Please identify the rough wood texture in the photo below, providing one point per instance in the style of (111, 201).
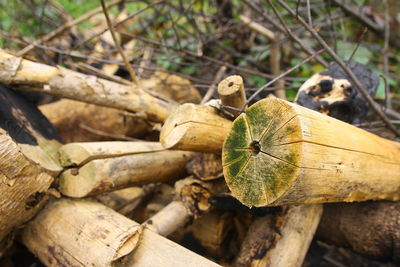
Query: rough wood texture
(196, 128)
(280, 239)
(280, 153)
(28, 144)
(232, 94)
(82, 122)
(102, 175)
(78, 154)
(371, 229)
(86, 233)
(27, 75)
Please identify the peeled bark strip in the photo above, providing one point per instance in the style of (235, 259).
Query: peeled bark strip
(27, 75)
(371, 229)
(78, 154)
(82, 122)
(196, 128)
(232, 94)
(28, 146)
(87, 233)
(280, 153)
(102, 175)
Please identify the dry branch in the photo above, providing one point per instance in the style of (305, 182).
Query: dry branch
(232, 94)
(87, 233)
(27, 75)
(196, 128)
(142, 164)
(279, 153)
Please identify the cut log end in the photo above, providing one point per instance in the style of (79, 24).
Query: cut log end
(257, 147)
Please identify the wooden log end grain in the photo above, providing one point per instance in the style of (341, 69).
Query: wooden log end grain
(231, 91)
(279, 153)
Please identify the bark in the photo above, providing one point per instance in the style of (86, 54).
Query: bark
(28, 163)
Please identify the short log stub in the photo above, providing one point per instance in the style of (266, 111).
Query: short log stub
(279, 153)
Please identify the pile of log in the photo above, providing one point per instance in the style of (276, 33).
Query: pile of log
(112, 192)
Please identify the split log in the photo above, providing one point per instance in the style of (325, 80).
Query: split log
(196, 128)
(232, 94)
(279, 153)
(82, 122)
(28, 164)
(371, 229)
(143, 164)
(27, 75)
(87, 233)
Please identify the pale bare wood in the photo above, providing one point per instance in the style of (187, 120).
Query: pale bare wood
(232, 94)
(280, 239)
(23, 74)
(102, 175)
(28, 164)
(172, 86)
(87, 233)
(302, 156)
(73, 119)
(258, 28)
(190, 201)
(196, 128)
(172, 217)
(78, 154)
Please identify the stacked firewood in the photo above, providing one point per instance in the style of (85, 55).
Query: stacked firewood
(115, 190)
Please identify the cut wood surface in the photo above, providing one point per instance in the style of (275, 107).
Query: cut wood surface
(102, 175)
(78, 154)
(232, 94)
(27, 75)
(196, 128)
(87, 233)
(280, 153)
(77, 121)
(28, 164)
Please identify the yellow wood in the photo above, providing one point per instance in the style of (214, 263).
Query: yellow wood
(279, 153)
(196, 128)
(232, 94)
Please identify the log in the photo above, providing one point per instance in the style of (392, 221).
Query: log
(196, 128)
(103, 175)
(282, 239)
(232, 94)
(371, 229)
(82, 122)
(27, 75)
(279, 153)
(78, 154)
(87, 233)
(28, 164)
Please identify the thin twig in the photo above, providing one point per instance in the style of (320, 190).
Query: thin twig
(281, 76)
(211, 89)
(65, 27)
(388, 99)
(117, 45)
(358, 44)
(348, 71)
(308, 50)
